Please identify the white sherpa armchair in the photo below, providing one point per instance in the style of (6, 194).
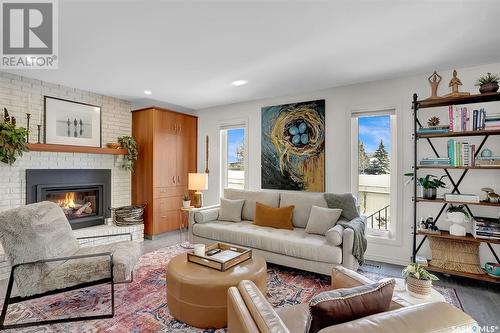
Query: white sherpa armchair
(46, 258)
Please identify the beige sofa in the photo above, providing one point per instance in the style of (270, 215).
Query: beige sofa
(248, 311)
(292, 248)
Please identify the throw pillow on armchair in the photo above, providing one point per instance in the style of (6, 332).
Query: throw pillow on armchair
(342, 305)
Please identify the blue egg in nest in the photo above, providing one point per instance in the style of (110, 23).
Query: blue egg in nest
(302, 127)
(293, 130)
(296, 139)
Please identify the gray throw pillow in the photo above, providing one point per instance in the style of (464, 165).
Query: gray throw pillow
(322, 219)
(230, 210)
(346, 202)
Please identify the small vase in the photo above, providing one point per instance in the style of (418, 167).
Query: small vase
(186, 203)
(429, 193)
(418, 288)
(490, 87)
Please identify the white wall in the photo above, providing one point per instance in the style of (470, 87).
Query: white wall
(340, 101)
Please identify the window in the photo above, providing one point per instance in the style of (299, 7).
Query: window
(233, 157)
(375, 169)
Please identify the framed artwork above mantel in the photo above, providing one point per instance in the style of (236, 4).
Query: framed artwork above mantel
(72, 123)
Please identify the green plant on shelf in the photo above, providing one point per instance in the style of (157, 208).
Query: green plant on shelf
(129, 143)
(429, 181)
(12, 142)
(488, 78)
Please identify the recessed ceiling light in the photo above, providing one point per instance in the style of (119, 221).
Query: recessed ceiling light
(238, 83)
(148, 92)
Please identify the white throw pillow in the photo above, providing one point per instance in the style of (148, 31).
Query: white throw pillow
(230, 210)
(322, 219)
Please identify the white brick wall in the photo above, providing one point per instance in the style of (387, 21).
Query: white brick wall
(20, 94)
(15, 93)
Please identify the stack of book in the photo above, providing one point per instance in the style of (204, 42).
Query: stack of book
(492, 122)
(490, 161)
(478, 119)
(462, 120)
(465, 198)
(461, 153)
(434, 129)
(486, 228)
(438, 161)
(459, 119)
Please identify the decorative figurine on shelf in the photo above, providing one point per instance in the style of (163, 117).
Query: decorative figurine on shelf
(6, 117)
(491, 196)
(429, 225)
(434, 81)
(433, 121)
(458, 217)
(454, 83)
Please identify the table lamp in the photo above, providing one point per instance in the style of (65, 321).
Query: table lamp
(198, 182)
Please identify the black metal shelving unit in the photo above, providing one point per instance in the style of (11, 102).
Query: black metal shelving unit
(419, 241)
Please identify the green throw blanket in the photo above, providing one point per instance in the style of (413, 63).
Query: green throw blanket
(360, 243)
(351, 220)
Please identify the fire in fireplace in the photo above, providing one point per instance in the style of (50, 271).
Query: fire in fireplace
(83, 195)
(76, 204)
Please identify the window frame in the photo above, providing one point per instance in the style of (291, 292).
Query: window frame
(392, 233)
(223, 128)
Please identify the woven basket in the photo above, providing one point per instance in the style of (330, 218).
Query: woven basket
(418, 288)
(128, 215)
(456, 255)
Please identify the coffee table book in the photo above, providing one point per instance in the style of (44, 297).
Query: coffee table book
(237, 255)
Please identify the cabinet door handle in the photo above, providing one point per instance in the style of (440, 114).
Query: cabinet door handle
(178, 179)
(173, 179)
(164, 217)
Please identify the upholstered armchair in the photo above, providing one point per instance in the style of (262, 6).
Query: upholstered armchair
(46, 259)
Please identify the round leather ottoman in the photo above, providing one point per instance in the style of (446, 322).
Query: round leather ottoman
(197, 295)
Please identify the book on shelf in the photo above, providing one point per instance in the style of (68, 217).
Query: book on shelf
(461, 153)
(468, 198)
(486, 228)
(487, 162)
(444, 161)
(461, 119)
(427, 130)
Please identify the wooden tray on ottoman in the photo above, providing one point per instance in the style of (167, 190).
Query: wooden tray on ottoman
(221, 264)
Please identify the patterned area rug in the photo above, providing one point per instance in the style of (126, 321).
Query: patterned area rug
(141, 305)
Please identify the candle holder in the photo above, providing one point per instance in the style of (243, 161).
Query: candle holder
(39, 133)
(28, 116)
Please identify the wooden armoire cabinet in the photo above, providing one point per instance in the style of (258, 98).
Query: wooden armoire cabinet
(166, 141)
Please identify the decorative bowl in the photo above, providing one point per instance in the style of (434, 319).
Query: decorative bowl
(493, 269)
(113, 145)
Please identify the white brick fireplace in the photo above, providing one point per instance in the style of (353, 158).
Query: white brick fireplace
(21, 95)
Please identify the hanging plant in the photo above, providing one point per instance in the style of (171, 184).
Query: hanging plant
(129, 143)
(12, 142)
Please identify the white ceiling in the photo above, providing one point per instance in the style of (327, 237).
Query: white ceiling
(189, 52)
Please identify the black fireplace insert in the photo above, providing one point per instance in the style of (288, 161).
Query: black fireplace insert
(83, 194)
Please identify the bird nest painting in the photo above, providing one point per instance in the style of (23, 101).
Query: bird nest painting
(293, 146)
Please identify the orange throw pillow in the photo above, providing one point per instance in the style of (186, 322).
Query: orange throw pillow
(279, 218)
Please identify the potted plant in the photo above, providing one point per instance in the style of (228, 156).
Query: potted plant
(129, 143)
(430, 184)
(488, 83)
(186, 203)
(418, 280)
(12, 142)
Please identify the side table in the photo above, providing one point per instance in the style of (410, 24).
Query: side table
(401, 292)
(185, 242)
